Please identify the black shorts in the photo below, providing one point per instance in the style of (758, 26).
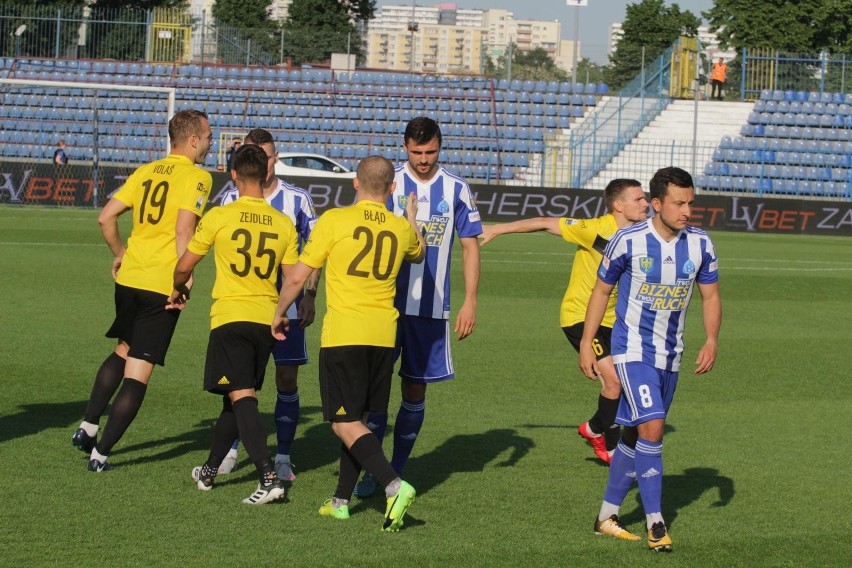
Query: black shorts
(144, 323)
(600, 344)
(237, 354)
(354, 380)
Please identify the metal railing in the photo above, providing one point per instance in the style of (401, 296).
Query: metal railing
(614, 123)
(769, 69)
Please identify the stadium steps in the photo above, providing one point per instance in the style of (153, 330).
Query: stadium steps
(667, 140)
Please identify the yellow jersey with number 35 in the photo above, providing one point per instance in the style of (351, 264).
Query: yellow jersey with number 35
(156, 192)
(250, 239)
(362, 247)
(591, 237)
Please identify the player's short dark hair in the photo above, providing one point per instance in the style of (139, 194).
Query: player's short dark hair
(185, 123)
(615, 188)
(659, 185)
(259, 136)
(375, 174)
(250, 162)
(422, 130)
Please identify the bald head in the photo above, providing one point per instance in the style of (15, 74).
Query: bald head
(374, 176)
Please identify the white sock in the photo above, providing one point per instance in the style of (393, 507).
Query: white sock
(654, 518)
(96, 455)
(232, 453)
(89, 428)
(282, 458)
(392, 488)
(607, 510)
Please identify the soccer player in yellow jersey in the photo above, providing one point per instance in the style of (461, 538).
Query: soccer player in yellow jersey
(363, 247)
(626, 204)
(166, 197)
(251, 239)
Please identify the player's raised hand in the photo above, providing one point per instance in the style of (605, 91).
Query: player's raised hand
(411, 207)
(706, 358)
(280, 325)
(588, 362)
(488, 233)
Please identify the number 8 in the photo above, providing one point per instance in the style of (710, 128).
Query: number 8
(645, 396)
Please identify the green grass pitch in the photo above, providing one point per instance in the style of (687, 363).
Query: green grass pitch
(757, 453)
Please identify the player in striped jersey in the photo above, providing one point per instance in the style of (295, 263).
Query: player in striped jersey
(626, 204)
(446, 209)
(289, 354)
(655, 264)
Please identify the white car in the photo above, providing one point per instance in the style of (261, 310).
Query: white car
(309, 165)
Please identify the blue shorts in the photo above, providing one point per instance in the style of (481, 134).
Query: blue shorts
(294, 349)
(424, 344)
(646, 393)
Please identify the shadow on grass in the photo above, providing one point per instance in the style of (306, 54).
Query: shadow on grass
(33, 418)
(468, 453)
(680, 491)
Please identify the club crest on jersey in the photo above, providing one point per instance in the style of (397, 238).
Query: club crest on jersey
(443, 206)
(688, 267)
(401, 201)
(646, 264)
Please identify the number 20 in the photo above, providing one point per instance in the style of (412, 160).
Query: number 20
(384, 238)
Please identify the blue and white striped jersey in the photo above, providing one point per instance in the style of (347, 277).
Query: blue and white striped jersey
(294, 202)
(655, 282)
(446, 207)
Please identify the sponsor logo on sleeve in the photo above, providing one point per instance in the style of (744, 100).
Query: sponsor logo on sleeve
(473, 216)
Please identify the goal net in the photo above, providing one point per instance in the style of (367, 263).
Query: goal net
(105, 131)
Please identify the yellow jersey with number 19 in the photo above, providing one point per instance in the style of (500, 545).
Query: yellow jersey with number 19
(363, 247)
(250, 240)
(591, 237)
(156, 192)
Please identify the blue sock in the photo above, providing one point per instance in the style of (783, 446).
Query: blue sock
(378, 424)
(405, 431)
(649, 474)
(286, 419)
(622, 474)
(236, 444)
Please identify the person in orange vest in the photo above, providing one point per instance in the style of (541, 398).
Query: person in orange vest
(717, 79)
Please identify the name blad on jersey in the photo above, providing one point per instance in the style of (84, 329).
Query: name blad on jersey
(664, 297)
(433, 230)
(246, 217)
(374, 216)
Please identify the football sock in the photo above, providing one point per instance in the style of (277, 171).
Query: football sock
(250, 427)
(611, 436)
(649, 474)
(653, 518)
(89, 428)
(622, 474)
(392, 488)
(286, 419)
(96, 455)
(235, 445)
(378, 423)
(107, 381)
(348, 474)
(208, 471)
(124, 409)
(265, 472)
(405, 431)
(337, 502)
(608, 510)
(224, 430)
(368, 452)
(605, 415)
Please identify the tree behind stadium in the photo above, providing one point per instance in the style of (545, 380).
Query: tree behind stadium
(652, 25)
(315, 29)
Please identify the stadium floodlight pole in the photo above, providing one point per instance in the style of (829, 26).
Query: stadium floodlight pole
(576, 4)
(170, 92)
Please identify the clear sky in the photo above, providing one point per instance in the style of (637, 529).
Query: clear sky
(594, 18)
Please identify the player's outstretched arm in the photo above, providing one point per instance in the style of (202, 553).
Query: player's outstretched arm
(108, 220)
(712, 314)
(594, 315)
(307, 310)
(549, 224)
(182, 276)
(294, 281)
(466, 318)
